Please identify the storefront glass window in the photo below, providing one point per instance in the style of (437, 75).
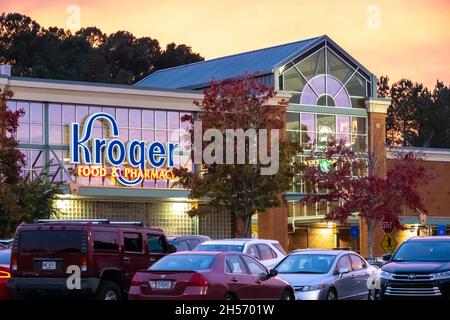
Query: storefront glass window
(122, 117)
(31, 123)
(292, 121)
(325, 78)
(313, 65)
(337, 67)
(296, 209)
(82, 112)
(308, 140)
(308, 122)
(318, 130)
(34, 164)
(135, 118)
(311, 209)
(293, 81)
(160, 119)
(358, 125)
(173, 120)
(148, 120)
(137, 124)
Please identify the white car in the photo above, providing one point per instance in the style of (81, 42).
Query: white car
(268, 252)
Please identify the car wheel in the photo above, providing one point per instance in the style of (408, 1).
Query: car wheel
(287, 295)
(332, 294)
(375, 294)
(108, 290)
(229, 296)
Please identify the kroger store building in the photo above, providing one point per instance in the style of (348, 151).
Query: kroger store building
(66, 124)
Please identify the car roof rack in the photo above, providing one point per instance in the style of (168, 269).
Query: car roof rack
(128, 223)
(72, 221)
(93, 221)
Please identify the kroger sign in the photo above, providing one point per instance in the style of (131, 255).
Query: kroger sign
(84, 149)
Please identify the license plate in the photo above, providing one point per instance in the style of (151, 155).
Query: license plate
(163, 284)
(48, 265)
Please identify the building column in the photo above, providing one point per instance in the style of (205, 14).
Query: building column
(273, 224)
(377, 110)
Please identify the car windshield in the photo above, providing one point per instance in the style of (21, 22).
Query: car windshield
(5, 256)
(428, 250)
(306, 263)
(219, 247)
(184, 262)
(50, 241)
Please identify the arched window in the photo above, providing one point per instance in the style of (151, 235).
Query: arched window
(323, 78)
(325, 90)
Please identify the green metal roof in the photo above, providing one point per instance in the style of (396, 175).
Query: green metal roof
(262, 62)
(199, 74)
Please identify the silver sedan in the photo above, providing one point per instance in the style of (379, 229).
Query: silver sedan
(319, 274)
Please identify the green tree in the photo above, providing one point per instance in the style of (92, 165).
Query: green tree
(176, 55)
(404, 112)
(20, 201)
(417, 116)
(383, 88)
(434, 125)
(86, 55)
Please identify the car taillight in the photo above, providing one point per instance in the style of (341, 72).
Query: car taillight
(84, 263)
(135, 281)
(14, 262)
(5, 275)
(198, 280)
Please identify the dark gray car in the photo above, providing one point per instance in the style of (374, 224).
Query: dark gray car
(318, 274)
(6, 243)
(187, 243)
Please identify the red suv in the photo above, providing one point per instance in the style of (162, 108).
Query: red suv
(97, 258)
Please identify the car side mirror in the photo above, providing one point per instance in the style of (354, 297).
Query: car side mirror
(387, 256)
(343, 270)
(273, 273)
(171, 249)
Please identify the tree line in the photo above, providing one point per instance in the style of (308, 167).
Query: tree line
(418, 116)
(86, 55)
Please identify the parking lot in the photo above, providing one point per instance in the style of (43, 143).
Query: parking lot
(103, 260)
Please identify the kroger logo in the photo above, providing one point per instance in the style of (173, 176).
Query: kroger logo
(84, 149)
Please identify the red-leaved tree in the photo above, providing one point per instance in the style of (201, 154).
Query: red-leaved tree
(241, 103)
(352, 185)
(20, 200)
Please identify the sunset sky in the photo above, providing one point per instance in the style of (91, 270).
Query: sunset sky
(403, 38)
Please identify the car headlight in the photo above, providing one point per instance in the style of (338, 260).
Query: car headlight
(442, 275)
(313, 287)
(385, 275)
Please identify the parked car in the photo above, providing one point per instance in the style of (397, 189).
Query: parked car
(5, 274)
(420, 268)
(108, 255)
(208, 275)
(319, 274)
(268, 252)
(6, 243)
(186, 243)
(376, 262)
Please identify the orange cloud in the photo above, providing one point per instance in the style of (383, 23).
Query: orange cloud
(412, 41)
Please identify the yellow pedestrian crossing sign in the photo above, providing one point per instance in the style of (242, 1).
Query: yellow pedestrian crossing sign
(388, 243)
